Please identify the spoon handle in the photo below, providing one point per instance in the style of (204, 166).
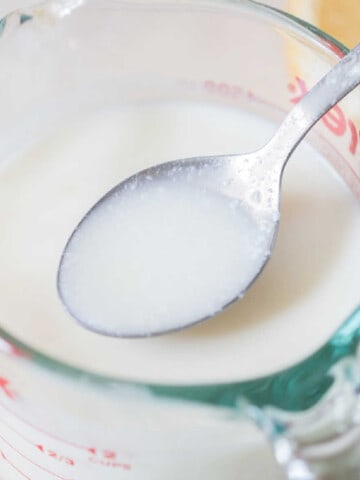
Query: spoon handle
(330, 89)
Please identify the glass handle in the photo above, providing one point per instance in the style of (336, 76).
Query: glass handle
(311, 412)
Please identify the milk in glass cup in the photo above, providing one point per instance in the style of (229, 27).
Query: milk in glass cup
(93, 91)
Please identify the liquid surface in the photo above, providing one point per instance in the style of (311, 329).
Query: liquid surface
(307, 290)
(158, 256)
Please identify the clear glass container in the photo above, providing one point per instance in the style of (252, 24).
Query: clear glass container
(75, 422)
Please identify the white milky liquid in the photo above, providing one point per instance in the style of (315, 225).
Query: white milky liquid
(159, 256)
(307, 290)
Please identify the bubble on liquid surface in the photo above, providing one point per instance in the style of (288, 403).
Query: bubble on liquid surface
(256, 197)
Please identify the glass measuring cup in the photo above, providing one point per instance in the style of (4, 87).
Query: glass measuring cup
(62, 421)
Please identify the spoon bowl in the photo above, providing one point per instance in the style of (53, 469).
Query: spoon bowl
(236, 179)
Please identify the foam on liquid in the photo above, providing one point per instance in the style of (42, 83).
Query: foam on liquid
(307, 290)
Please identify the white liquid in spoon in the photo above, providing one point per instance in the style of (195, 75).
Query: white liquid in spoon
(160, 256)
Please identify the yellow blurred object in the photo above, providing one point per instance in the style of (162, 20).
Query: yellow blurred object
(341, 20)
(338, 18)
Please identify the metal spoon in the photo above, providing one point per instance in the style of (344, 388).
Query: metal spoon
(252, 179)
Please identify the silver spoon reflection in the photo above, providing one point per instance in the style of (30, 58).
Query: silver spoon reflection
(177, 243)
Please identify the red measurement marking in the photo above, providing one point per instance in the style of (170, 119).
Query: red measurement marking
(10, 427)
(31, 461)
(55, 455)
(3, 456)
(110, 454)
(251, 95)
(5, 388)
(354, 137)
(107, 454)
(227, 90)
(218, 88)
(334, 120)
(10, 349)
(298, 87)
(223, 88)
(107, 458)
(108, 463)
(43, 432)
(335, 49)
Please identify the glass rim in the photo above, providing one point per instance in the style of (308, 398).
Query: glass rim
(213, 393)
